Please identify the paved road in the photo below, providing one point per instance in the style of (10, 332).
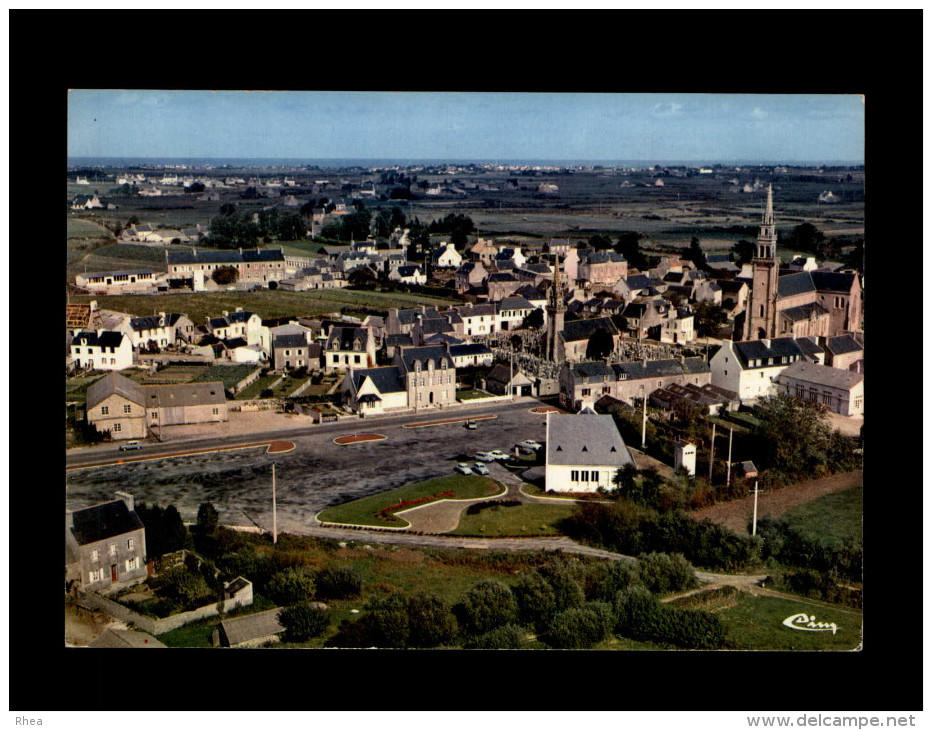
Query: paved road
(317, 473)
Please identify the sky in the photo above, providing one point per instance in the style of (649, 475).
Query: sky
(702, 128)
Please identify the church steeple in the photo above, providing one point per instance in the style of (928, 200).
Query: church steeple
(767, 239)
(555, 315)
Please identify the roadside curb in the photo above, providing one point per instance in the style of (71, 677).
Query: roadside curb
(272, 447)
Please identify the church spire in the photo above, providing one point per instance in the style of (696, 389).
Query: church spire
(767, 239)
(768, 210)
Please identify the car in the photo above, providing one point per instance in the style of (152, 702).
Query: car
(499, 455)
(472, 425)
(480, 468)
(531, 445)
(130, 446)
(485, 456)
(463, 468)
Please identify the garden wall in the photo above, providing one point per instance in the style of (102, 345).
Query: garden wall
(156, 626)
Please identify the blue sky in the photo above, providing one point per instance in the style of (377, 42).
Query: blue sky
(476, 125)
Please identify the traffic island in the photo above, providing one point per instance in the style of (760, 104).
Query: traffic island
(448, 421)
(358, 438)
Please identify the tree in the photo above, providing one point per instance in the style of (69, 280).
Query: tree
(534, 320)
(600, 242)
(694, 253)
(535, 600)
(184, 586)
(195, 187)
(207, 519)
(582, 627)
(303, 622)
(489, 604)
(804, 237)
(743, 252)
(567, 591)
(509, 636)
(601, 344)
(792, 436)
(430, 621)
(225, 275)
(708, 317)
(340, 582)
(290, 586)
(629, 246)
(662, 573)
(362, 277)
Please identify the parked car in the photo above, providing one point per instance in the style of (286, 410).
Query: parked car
(531, 445)
(472, 425)
(498, 455)
(130, 446)
(480, 468)
(463, 468)
(485, 456)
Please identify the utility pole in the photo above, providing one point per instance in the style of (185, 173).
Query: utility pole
(644, 424)
(712, 453)
(754, 522)
(728, 477)
(274, 510)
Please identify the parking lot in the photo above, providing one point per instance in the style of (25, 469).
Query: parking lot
(317, 473)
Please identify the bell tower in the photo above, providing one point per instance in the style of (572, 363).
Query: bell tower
(760, 319)
(555, 315)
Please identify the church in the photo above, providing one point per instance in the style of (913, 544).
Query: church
(799, 304)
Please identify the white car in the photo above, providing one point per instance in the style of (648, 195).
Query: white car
(463, 468)
(531, 445)
(485, 456)
(480, 468)
(499, 455)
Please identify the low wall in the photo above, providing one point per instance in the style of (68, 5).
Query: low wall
(156, 626)
(262, 404)
(479, 402)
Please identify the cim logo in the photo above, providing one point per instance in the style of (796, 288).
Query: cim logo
(805, 622)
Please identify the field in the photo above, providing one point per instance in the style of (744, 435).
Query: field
(267, 304)
(365, 511)
(832, 519)
(521, 520)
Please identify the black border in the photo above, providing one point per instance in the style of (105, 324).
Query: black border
(675, 51)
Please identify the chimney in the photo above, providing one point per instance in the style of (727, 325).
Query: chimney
(161, 319)
(93, 305)
(69, 519)
(194, 251)
(128, 499)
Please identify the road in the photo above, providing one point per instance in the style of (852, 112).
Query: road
(317, 473)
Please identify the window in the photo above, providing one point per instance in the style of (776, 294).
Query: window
(127, 408)
(131, 543)
(586, 391)
(95, 556)
(117, 427)
(216, 411)
(104, 410)
(574, 476)
(154, 415)
(95, 575)
(858, 401)
(585, 476)
(356, 359)
(111, 549)
(132, 564)
(594, 477)
(287, 352)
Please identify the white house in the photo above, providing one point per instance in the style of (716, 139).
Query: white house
(375, 390)
(163, 329)
(840, 391)
(473, 354)
(408, 275)
(478, 319)
(584, 452)
(512, 311)
(447, 257)
(102, 350)
(749, 368)
(240, 324)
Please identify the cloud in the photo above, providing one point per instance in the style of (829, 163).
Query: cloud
(758, 113)
(668, 109)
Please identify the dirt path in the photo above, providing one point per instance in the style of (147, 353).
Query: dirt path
(737, 515)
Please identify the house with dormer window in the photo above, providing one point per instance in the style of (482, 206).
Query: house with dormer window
(429, 375)
(349, 347)
(102, 350)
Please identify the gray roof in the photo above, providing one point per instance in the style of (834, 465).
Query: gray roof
(410, 355)
(843, 344)
(638, 281)
(822, 375)
(239, 256)
(347, 337)
(782, 350)
(150, 323)
(514, 303)
(583, 329)
(659, 368)
(124, 639)
(604, 257)
(185, 394)
(809, 346)
(832, 281)
(251, 627)
(289, 341)
(103, 521)
(472, 348)
(803, 312)
(502, 276)
(398, 340)
(409, 270)
(114, 383)
(585, 440)
(387, 380)
(104, 339)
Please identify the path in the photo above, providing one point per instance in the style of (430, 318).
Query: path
(737, 515)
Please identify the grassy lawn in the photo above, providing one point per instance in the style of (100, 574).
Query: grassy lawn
(198, 634)
(76, 388)
(78, 228)
(255, 389)
(831, 519)
(520, 520)
(756, 622)
(229, 375)
(265, 303)
(364, 511)
(472, 394)
(288, 386)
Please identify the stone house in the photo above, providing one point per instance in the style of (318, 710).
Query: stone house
(349, 347)
(105, 545)
(573, 341)
(602, 268)
(503, 284)
(446, 257)
(252, 265)
(429, 375)
(162, 329)
(845, 352)
(246, 325)
(470, 274)
(840, 391)
(134, 281)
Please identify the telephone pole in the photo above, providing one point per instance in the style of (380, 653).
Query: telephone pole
(274, 510)
(712, 453)
(644, 424)
(754, 522)
(728, 476)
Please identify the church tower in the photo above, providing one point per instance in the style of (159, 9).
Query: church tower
(760, 318)
(555, 313)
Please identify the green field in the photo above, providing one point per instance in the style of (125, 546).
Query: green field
(254, 390)
(265, 303)
(364, 511)
(78, 228)
(832, 519)
(756, 622)
(521, 520)
(229, 375)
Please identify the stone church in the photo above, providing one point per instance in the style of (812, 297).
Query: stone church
(799, 304)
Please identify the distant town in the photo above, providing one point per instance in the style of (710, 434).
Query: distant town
(471, 405)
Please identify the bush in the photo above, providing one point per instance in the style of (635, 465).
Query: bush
(509, 636)
(640, 616)
(303, 622)
(488, 605)
(604, 580)
(430, 621)
(184, 586)
(535, 600)
(567, 591)
(581, 628)
(291, 586)
(662, 573)
(341, 582)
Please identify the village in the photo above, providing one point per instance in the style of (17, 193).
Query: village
(457, 368)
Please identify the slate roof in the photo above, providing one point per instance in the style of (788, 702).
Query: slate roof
(832, 281)
(235, 631)
(530, 292)
(509, 303)
(764, 355)
(822, 375)
(477, 310)
(583, 329)
(124, 639)
(386, 380)
(114, 383)
(803, 312)
(150, 323)
(604, 257)
(638, 281)
(843, 344)
(585, 440)
(286, 340)
(185, 394)
(502, 276)
(249, 255)
(537, 268)
(408, 270)
(104, 339)
(398, 340)
(659, 368)
(435, 326)
(410, 355)
(472, 348)
(793, 284)
(103, 521)
(809, 346)
(347, 337)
